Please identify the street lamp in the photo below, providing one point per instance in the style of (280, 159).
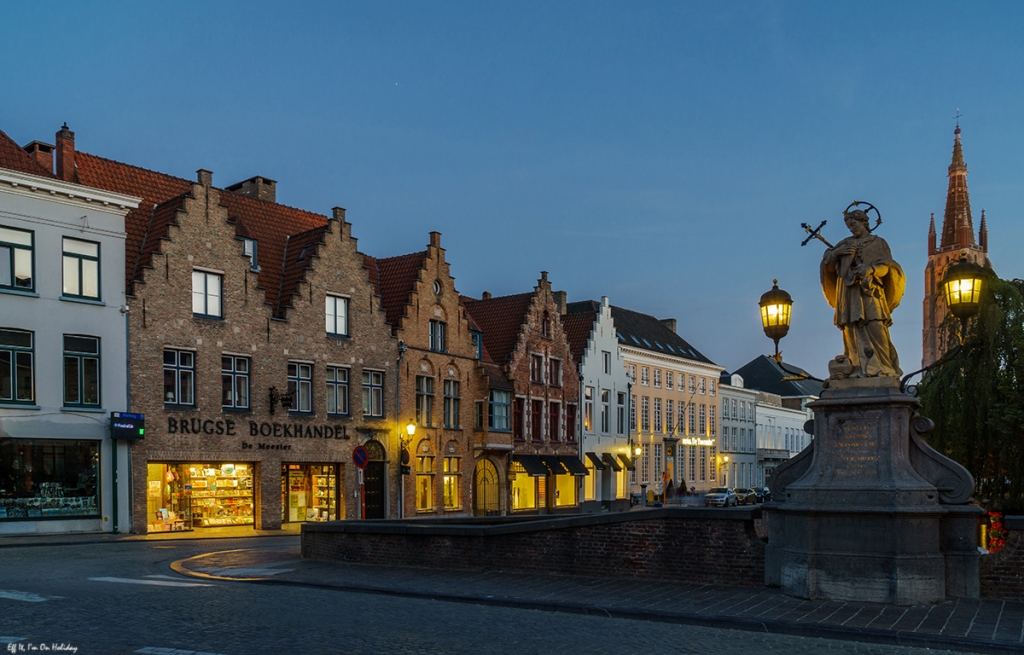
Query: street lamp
(776, 306)
(961, 287)
(410, 429)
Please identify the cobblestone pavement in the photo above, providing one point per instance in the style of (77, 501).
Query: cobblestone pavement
(122, 597)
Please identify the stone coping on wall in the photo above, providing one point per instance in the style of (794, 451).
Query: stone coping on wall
(1013, 522)
(504, 525)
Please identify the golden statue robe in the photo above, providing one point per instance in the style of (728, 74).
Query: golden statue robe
(864, 288)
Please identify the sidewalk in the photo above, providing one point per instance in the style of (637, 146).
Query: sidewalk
(235, 532)
(985, 626)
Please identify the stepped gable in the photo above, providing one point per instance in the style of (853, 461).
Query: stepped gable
(765, 374)
(500, 319)
(647, 332)
(140, 224)
(283, 235)
(577, 327)
(394, 279)
(13, 157)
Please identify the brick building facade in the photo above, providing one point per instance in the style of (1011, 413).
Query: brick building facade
(238, 306)
(442, 388)
(523, 335)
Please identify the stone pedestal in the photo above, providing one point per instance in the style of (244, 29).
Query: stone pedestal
(870, 512)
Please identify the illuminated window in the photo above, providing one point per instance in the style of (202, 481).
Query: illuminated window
(523, 488)
(452, 483)
(424, 484)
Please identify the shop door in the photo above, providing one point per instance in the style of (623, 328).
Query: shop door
(374, 479)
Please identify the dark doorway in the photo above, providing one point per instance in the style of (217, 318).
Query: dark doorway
(374, 479)
(485, 489)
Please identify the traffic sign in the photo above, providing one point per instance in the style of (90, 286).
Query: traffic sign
(360, 456)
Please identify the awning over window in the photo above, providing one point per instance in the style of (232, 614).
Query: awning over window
(596, 461)
(553, 464)
(573, 464)
(532, 464)
(610, 460)
(627, 462)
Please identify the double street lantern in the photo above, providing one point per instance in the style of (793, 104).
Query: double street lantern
(961, 287)
(776, 305)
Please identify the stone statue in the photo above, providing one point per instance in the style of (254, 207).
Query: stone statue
(864, 285)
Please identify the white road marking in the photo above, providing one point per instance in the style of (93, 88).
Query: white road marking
(154, 650)
(24, 596)
(159, 583)
(244, 572)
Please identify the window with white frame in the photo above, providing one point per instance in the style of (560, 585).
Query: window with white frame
(179, 377)
(692, 416)
(632, 414)
(712, 387)
(206, 294)
(693, 384)
(632, 373)
(645, 413)
(337, 315)
(81, 268)
(249, 250)
(373, 393)
(668, 379)
(234, 379)
(300, 387)
(670, 423)
(712, 424)
(657, 415)
(645, 464)
(657, 378)
(645, 376)
(620, 413)
(703, 386)
(337, 390)
(657, 462)
(703, 420)
(606, 401)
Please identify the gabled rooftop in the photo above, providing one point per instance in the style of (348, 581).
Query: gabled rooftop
(394, 279)
(500, 320)
(649, 333)
(765, 374)
(14, 157)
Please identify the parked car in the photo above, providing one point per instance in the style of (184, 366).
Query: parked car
(746, 496)
(764, 494)
(720, 497)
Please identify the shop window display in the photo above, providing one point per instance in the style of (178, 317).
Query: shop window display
(48, 478)
(524, 488)
(187, 496)
(308, 493)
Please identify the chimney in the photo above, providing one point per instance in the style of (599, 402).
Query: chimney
(259, 187)
(435, 239)
(205, 177)
(559, 301)
(66, 154)
(486, 296)
(670, 323)
(42, 153)
(338, 214)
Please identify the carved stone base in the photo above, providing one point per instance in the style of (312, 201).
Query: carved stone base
(870, 512)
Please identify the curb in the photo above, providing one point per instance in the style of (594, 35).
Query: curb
(683, 618)
(136, 539)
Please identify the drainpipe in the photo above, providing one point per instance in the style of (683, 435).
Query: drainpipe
(398, 423)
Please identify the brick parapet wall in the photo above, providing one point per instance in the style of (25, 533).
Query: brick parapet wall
(1002, 573)
(690, 545)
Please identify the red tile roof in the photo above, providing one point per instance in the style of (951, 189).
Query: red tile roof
(14, 157)
(577, 329)
(394, 279)
(141, 224)
(272, 225)
(500, 319)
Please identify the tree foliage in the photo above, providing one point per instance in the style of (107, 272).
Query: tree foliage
(977, 398)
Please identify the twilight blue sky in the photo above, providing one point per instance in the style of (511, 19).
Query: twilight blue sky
(663, 154)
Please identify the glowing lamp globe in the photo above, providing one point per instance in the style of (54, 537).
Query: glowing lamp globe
(961, 287)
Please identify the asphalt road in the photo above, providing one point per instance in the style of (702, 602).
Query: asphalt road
(122, 597)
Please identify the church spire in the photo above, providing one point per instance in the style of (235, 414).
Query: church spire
(931, 234)
(957, 224)
(983, 233)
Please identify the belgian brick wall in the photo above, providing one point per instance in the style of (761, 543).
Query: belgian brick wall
(1002, 573)
(670, 544)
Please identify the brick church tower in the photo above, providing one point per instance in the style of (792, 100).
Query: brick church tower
(957, 237)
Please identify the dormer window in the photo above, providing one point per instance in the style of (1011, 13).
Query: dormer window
(249, 248)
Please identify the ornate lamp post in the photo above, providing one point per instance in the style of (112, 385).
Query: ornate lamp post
(776, 306)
